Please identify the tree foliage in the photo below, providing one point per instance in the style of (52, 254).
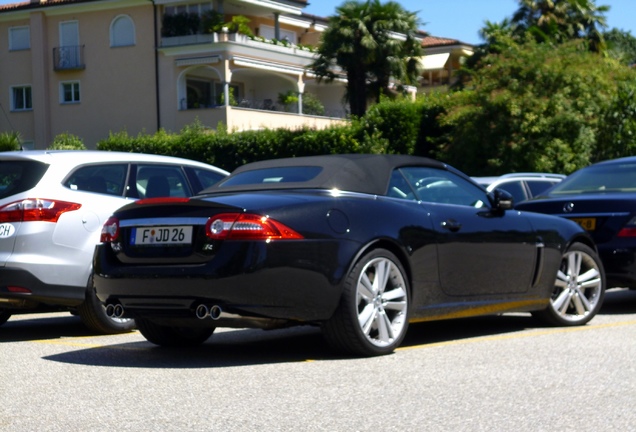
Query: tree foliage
(621, 45)
(536, 107)
(372, 43)
(561, 21)
(617, 131)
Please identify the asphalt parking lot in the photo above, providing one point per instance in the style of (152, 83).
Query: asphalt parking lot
(481, 374)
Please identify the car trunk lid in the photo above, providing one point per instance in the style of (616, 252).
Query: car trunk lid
(166, 230)
(603, 215)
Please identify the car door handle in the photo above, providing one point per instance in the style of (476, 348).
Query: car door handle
(452, 225)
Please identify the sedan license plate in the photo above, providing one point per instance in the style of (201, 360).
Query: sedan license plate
(589, 224)
(161, 235)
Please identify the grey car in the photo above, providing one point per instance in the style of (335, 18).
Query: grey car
(522, 186)
(52, 207)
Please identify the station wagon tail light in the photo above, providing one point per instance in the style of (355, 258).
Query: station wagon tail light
(36, 210)
(629, 230)
(110, 230)
(243, 226)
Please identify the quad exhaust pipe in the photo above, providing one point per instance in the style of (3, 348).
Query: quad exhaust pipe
(203, 311)
(215, 312)
(114, 310)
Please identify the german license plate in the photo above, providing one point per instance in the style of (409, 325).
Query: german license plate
(589, 224)
(161, 235)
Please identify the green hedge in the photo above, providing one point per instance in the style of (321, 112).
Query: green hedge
(400, 126)
(10, 141)
(230, 150)
(67, 141)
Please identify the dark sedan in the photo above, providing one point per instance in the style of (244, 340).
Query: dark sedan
(602, 198)
(358, 244)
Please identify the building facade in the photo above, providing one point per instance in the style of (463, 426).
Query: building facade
(95, 67)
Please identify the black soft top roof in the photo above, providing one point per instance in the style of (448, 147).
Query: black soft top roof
(366, 173)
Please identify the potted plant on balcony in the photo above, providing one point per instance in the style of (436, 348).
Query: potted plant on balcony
(214, 22)
(288, 99)
(312, 105)
(239, 24)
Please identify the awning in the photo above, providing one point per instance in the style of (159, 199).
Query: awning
(274, 67)
(434, 61)
(294, 22)
(197, 60)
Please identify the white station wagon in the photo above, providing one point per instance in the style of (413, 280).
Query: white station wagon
(52, 208)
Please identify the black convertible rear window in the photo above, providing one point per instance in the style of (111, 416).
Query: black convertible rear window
(293, 174)
(18, 176)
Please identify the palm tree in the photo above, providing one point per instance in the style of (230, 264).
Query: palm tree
(493, 31)
(562, 20)
(591, 21)
(373, 44)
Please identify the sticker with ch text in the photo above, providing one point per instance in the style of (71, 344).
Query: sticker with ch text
(6, 230)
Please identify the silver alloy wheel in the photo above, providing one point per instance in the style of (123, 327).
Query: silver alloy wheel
(578, 287)
(382, 302)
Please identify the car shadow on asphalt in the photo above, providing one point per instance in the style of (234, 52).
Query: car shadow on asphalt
(619, 301)
(246, 347)
(43, 327)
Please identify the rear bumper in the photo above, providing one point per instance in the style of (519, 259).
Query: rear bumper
(20, 289)
(262, 281)
(302, 297)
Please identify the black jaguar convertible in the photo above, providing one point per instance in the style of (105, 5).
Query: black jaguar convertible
(360, 245)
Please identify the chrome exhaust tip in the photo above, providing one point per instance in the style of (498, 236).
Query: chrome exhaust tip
(202, 311)
(215, 312)
(110, 310)
(118, 311)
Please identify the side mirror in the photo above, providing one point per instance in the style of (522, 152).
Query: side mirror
(501, 199)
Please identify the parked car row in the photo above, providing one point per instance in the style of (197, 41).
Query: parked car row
(360, 245)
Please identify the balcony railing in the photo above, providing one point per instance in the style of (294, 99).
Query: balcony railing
(269, 105)
(68, 58)
(259, 43)
(189, 40)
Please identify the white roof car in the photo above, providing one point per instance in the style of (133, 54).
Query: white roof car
(52, 208)
(522, 186)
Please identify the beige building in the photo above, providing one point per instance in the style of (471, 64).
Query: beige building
(443, 57)
(92, 67)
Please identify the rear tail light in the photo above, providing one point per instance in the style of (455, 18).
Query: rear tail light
(18, 289)
(241, 226)
(629, 230)
(36, 209)
(110, 230)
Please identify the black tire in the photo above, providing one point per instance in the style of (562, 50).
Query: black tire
(173, 336)
(579, 288)
(93, 314)
(376, 292)
(4, 316)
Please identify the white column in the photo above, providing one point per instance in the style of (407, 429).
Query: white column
(301, 90)
(227, 79)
